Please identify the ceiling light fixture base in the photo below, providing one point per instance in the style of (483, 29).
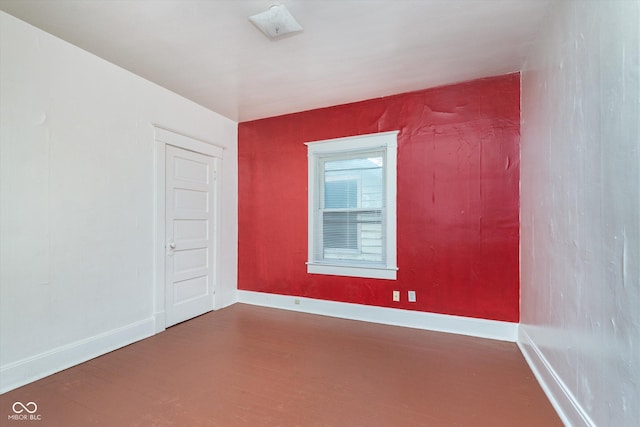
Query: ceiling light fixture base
(275, 22)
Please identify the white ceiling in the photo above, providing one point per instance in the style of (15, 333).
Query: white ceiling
(350, 50)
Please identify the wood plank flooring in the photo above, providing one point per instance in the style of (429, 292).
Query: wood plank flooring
(254, 366)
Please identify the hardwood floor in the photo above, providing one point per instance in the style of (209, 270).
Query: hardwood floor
(254, 366)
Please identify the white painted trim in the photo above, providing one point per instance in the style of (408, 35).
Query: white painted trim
(215, 225)
(177, 139)
(160, 321)
(159, 237)
(383, 140)
(351, 143)
(352, 271)
(492, 329)
(565, 404)
(162, 138)
(25, 371)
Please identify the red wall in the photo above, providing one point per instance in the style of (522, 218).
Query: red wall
(458, 199)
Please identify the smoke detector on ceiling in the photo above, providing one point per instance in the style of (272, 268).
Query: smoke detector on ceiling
(275, 22)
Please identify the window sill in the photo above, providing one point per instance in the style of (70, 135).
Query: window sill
(388, 273)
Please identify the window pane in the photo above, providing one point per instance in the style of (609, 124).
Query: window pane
(354, 183)
(341, 194)
(340, 230)
(353, 236)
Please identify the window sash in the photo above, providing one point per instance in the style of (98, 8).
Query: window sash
(365, 244)
(358, 246)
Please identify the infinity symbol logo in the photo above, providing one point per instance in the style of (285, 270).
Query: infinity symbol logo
(30, 407)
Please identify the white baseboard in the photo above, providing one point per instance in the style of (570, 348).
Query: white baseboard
(564, 402)
(493, 329)
(17, 374)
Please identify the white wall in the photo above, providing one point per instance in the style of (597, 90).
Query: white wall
(77, 201)
(580, 294)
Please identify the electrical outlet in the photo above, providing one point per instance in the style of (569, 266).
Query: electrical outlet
(396, 296)
(411, 296)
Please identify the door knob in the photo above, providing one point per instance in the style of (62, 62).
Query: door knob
(172, 245)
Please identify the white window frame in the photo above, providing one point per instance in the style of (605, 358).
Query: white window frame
(349, 146)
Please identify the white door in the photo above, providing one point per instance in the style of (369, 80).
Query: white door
(190, 184)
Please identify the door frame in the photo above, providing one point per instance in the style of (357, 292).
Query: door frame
(162, 138)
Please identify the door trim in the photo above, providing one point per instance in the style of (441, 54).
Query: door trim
(162, 138)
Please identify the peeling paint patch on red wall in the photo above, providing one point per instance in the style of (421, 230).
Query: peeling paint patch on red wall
(458, 199)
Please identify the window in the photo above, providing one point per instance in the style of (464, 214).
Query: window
(352, 206)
